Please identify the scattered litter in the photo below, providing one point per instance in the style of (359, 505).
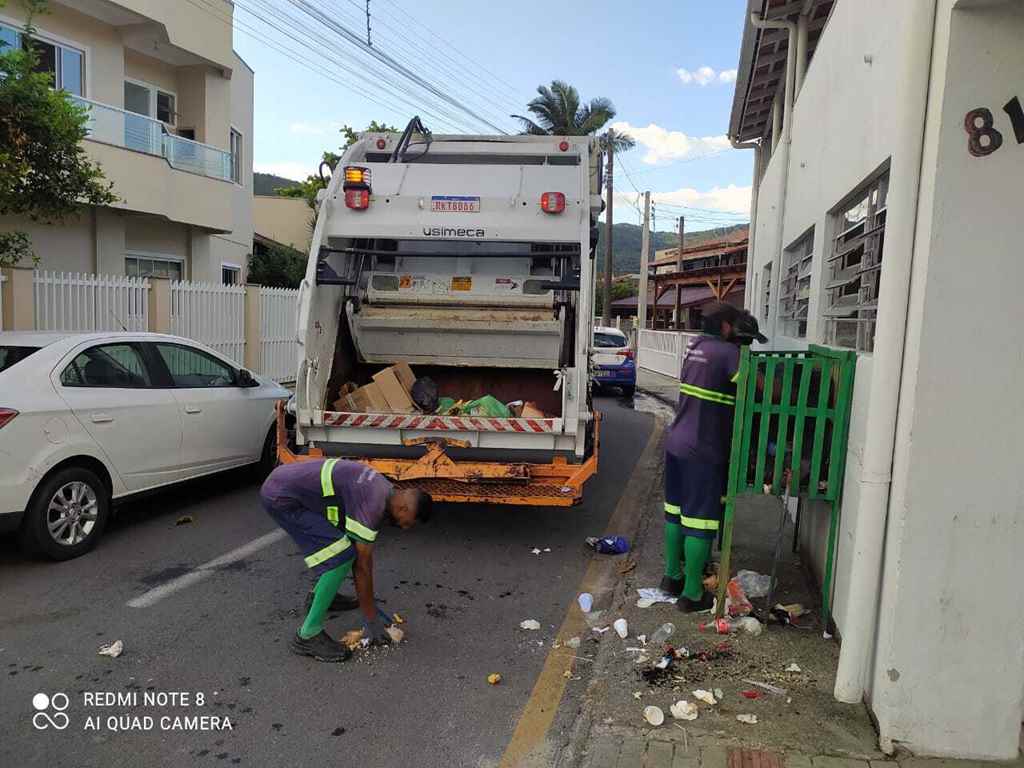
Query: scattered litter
(642, 659)
(722, 626)
(706, 696)
(748, 719)
(736, 602)
(754, 584)
(711, 582)
(547, 549)
(396, 634)
(113, 650)
(683, 653)
(494, 678)
(397, 619)
(654, 715)
(794, 667)
(572, 642)
(535, 551)
(353, 639)
(637, 695)
(665, 662)
(626, 566)
(767, 686)
(529, 624)
(621, 628)
(608, 545)
(600, 630)
(586, 601)
(663, 633)
(751, 626)
(654, 595)
(751, 694)
(684, 710)
(795, 610)
(642, 639)
(184, 520)
(719, 694)
(567, 674)
(645, 602)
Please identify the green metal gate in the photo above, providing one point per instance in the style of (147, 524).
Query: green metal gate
(792, 412)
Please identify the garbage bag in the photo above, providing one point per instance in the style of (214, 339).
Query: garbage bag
(487, 406)
(444, 405)
(424, 394)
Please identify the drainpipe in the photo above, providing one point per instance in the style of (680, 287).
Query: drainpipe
(802, 23)
(787, 135)
(748, 300)
(869, 535)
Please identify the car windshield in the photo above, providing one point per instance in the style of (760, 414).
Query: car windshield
(9, 355)
(613, 340)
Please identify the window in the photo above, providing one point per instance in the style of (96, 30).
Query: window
(766, 291)
(145, 99)
(795, 286)
(855, 267)
(65, 65)
(230, 274)
(9, 355)
(236, 156)
(111, 365)
(191, 369)
(153, 266)
(609, 340)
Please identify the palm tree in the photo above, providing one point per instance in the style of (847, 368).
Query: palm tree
(558, 112)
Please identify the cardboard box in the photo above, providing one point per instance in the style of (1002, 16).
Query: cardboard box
(531, 411)
(405, 375)
(341, 404)
(366, 399)
(398, 398)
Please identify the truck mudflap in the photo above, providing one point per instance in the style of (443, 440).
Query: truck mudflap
(556, 484)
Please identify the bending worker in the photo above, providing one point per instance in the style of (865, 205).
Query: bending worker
(333, 510)
(697, 455)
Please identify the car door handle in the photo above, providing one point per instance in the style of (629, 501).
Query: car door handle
(193, 409)
(101, 418)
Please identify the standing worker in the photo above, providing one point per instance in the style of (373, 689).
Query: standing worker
(697, 456)
(325, 506)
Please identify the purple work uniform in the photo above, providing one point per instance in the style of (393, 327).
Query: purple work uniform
(697, 449)
(323, 505)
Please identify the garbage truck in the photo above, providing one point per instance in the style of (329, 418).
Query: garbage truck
(468, 261)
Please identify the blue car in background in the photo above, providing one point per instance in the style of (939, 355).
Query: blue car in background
(614, 363)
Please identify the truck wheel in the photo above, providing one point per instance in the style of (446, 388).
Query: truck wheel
(67, 514)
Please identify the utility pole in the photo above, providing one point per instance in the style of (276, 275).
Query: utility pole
(679, 268)
(645, 253)
(607, 308)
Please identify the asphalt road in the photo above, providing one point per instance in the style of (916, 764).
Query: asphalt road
(463, 583)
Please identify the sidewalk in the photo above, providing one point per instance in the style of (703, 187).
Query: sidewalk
(657, 385)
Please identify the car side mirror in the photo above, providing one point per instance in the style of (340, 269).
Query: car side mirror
(245, 379)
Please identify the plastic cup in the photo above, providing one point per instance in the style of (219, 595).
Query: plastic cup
(621, 628)
(586, 601)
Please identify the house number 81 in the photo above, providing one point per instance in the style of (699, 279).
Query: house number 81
(982, 137)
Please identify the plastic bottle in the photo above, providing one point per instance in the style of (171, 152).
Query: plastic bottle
(662, 633)
(723, 626)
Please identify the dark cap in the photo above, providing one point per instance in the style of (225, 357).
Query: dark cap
(718, 313)
(746, 328)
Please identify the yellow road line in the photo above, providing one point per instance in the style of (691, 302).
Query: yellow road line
(538, 714)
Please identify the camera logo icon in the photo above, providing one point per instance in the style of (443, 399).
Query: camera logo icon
(43, 704)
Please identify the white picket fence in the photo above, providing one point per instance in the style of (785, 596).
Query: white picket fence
(3, 279)
(70, 301)
(662, 351)
(212, 314)
(278, 348)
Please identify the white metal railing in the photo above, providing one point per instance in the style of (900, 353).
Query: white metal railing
(279, 352)
(3, 278)
(662, 351)
(69, 301)
(112, 125)
(212, 314)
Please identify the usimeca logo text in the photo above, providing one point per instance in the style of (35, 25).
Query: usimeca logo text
(452, 232)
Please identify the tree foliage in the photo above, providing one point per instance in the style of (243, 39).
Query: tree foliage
(307, 189)
(277, 267)
(45, 174)
(557, 111)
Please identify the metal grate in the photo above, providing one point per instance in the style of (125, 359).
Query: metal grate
(441, 487)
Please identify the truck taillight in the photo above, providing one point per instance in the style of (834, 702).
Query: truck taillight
(356, 177)
(563, 145)
(7, 416)
(357, 199)
(552, 202)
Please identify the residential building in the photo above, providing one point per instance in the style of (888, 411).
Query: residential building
(281, 222)
(171, 123)
(889, 153)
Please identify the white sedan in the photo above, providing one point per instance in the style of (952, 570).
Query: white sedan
(90, 419)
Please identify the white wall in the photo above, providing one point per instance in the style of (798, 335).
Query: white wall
(949, 670)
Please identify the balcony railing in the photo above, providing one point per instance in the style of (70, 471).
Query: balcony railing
(121, 128)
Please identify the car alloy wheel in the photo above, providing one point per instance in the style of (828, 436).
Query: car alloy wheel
(72, 513)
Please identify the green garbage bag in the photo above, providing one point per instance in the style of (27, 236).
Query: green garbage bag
(444, 404)
(487, 406)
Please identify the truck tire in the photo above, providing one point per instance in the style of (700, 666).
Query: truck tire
(67, 514)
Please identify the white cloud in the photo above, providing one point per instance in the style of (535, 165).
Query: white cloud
(705, 76)
(730, 199)
(288, 170)
(664, 146)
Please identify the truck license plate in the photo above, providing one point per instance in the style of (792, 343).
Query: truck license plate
(454, 204)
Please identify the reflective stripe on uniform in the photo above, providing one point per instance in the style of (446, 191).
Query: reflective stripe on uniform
(699, 523)
(735, 377)
(707, 394)
(672, 509)
(359, 530)
(332, 549)
(326, 478)
(332, 516)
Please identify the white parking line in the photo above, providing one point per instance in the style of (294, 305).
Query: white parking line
(204, 571)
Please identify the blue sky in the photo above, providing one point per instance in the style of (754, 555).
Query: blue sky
(667, 66)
